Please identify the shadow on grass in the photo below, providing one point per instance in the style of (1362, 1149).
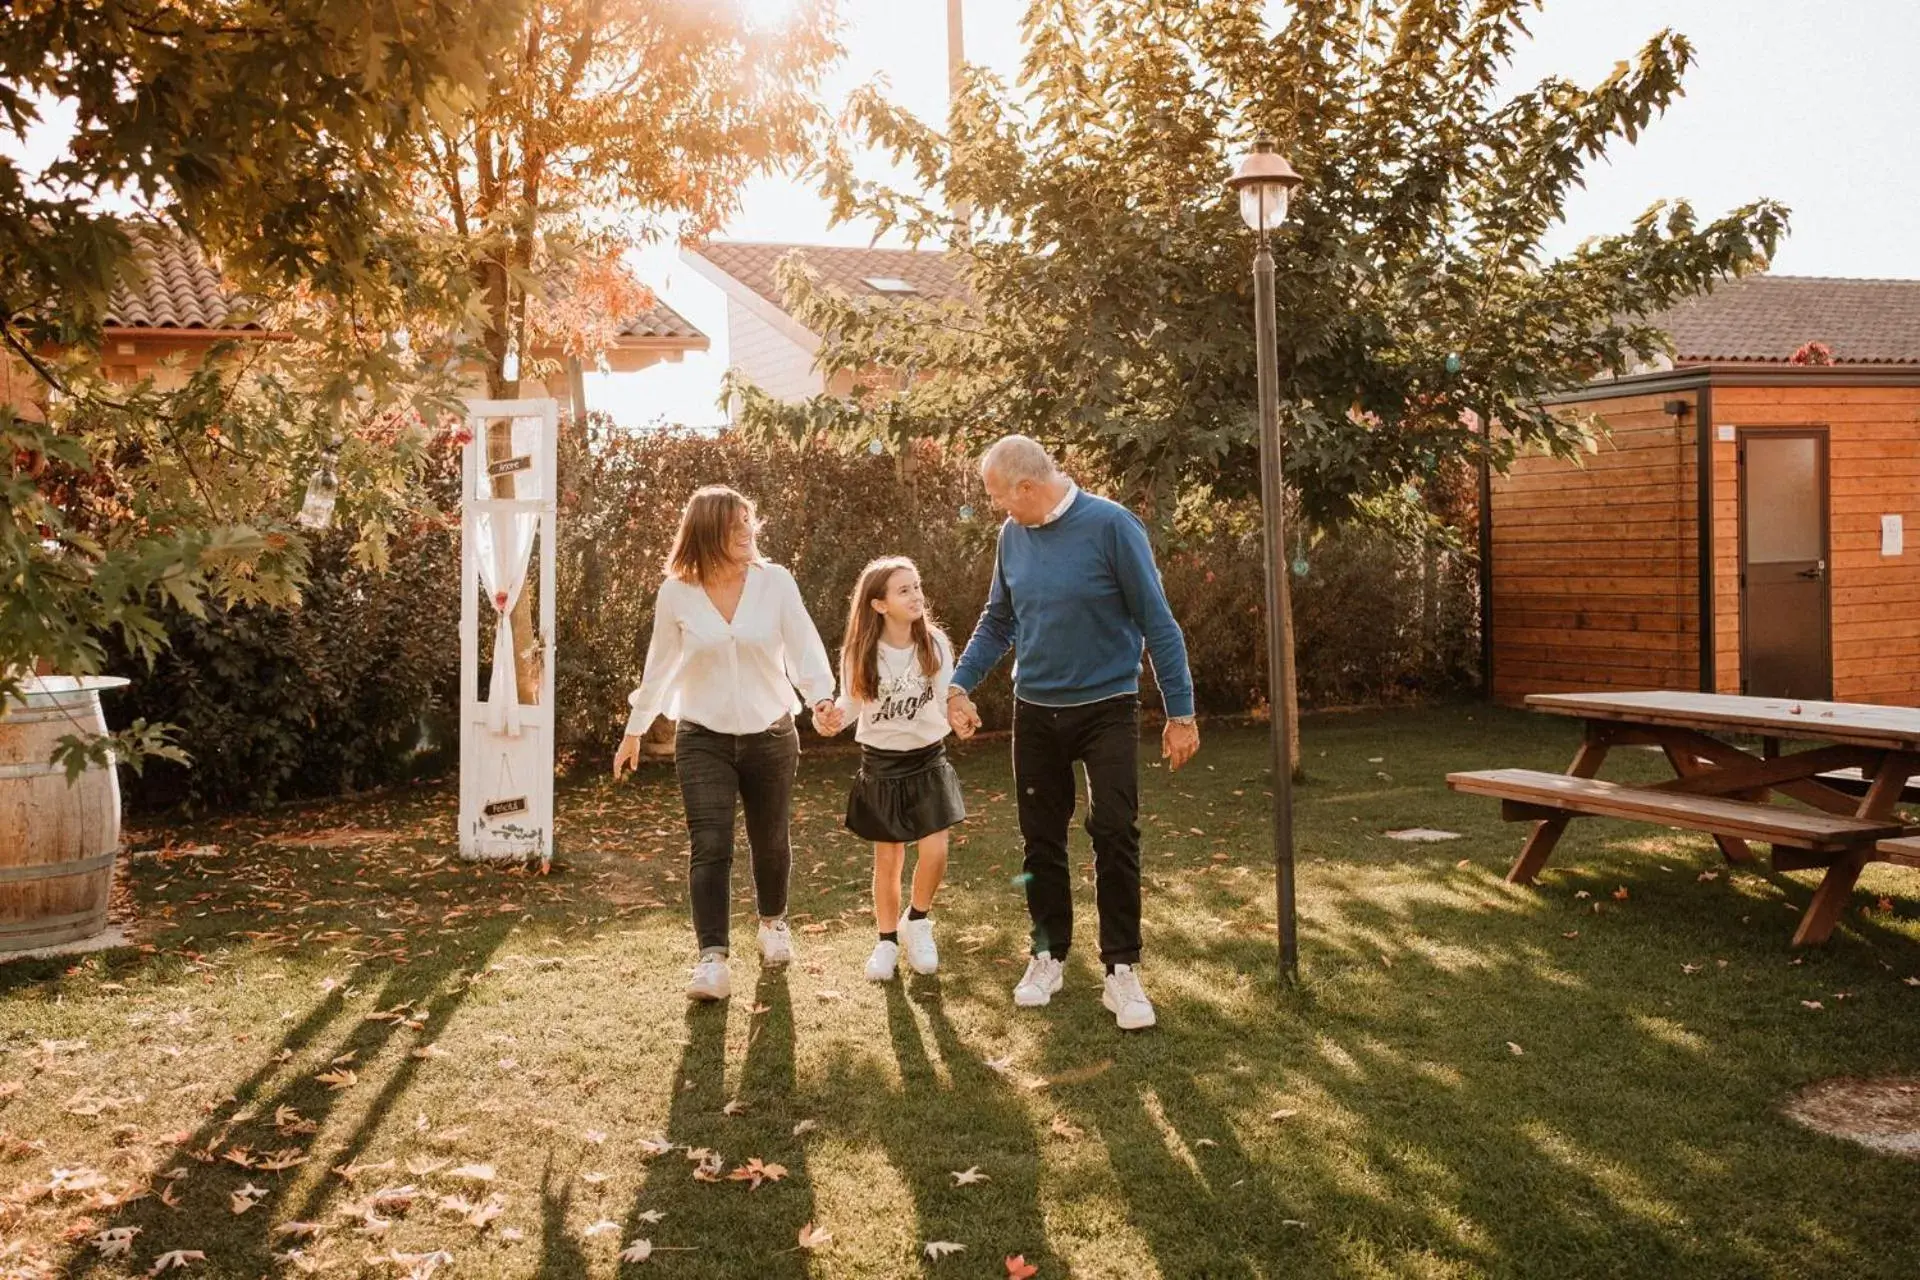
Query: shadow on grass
(246, 1117)
(1478, 1094)
(728, 1227)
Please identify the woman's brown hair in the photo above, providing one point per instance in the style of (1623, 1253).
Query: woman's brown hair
(702, 546)
(859, 653)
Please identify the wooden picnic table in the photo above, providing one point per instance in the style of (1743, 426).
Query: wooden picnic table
(1726, 790)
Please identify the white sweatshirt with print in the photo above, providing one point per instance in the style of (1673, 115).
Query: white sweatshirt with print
(911, 712)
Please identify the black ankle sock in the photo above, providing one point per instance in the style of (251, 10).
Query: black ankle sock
(891, 936)
(915, 913)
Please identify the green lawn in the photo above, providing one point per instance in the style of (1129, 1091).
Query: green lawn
(1582, 1079)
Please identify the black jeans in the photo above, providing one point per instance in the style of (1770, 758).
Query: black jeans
(716, 770)
(1047, 741)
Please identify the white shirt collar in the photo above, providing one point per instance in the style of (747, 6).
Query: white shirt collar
(1073, 491)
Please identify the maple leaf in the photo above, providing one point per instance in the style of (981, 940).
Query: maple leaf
(483, 1216)
(1285, 1113)
(298, 1230)
(421, 1166)
(473, 1172)
(812, 1237)
(1621, 894)
(1018, 1268)
(1065, 1128)
(938, 1249)
(428, 1052)
(967, 1177)
(755, 1172)
(1514, 1049)
(74, 1181)
(734, 1108)
(344, 1078)
(285, 1158)
(246, 1198)
(593, 1179)
(290, 1122)
(1581, 893)
(419, 1266)
(176, 1258)
(650, 1216)
(655, 1146)
(1912, 982)
(115, 1241)
(638, 1251)
(805, 1126)
(1812, 1004)
(600, 1228)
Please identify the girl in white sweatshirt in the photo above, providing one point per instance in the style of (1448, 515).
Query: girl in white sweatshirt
(895, 666)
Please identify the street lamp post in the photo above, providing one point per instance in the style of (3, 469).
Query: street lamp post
(1264, 182)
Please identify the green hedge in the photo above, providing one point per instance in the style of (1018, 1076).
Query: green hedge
(358, 687)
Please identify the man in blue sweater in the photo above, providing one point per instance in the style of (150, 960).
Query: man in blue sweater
(1075, 594)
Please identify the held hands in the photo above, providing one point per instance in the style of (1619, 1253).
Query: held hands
(962, 716)
(1178, 742)
(627, 758)
(827, 718)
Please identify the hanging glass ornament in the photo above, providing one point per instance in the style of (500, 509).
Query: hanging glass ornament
(323, 490)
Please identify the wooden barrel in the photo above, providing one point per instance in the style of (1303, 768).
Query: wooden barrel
(57, 840)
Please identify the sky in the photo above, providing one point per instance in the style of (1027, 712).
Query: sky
(1815, 105)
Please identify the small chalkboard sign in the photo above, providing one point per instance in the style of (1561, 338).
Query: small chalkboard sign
(507, 466)
(501, 808)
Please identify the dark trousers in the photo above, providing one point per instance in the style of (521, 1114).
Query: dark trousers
(1047, 742)
(718, 773)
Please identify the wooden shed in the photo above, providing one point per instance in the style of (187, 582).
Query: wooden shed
(1746, 525)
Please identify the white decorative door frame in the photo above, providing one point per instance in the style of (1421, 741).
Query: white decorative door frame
(506, 747)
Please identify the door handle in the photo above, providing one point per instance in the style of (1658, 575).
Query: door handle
(1816, 573)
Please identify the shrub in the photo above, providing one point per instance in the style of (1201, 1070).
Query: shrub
(359, 685)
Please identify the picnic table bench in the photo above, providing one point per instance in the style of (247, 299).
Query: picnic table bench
(1727, 791)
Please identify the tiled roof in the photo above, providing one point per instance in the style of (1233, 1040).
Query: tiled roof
(661, 321)
(1768, 318)
(930, 271)
(181, 289)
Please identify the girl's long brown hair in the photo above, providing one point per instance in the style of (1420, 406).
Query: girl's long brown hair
(703, 545)
(859, 652)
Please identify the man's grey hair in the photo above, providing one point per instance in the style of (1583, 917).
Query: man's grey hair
(1017, 458)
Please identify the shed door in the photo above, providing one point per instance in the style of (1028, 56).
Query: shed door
(1785, 637)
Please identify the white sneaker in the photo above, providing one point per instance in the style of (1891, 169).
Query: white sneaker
(884, 960)
(1125, 1000)
(776, 943)
(917, 937)
(1041, 981)
(710, 979)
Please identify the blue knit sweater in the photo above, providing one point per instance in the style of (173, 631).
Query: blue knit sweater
(1074, 600)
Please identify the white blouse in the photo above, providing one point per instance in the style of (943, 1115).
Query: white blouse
(911, 711)
(731, 677)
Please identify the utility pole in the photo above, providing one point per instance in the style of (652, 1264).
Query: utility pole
(956, 59)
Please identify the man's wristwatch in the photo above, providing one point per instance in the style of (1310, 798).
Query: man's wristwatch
(1189, 721)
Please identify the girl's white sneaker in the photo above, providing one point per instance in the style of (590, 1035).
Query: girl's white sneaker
(884, 960)
(710, 980)
(916, 938)
(776, 943)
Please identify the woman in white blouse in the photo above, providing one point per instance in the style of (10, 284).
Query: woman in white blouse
(731, 643)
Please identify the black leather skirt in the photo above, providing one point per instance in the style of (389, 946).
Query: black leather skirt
(902, 796)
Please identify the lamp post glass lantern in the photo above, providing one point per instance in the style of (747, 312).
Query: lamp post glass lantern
(1263, 182)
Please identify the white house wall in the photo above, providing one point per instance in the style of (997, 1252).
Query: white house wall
(770, 359)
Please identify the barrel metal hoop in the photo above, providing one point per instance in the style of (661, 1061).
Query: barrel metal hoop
(54, 870)
(51, 931)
